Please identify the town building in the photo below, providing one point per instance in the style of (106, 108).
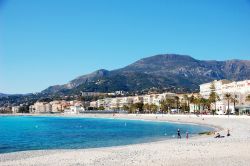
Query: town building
(41, 107)
(238, 90)
(56, 106)
(74, 110)
(15, 109)
(120, 102)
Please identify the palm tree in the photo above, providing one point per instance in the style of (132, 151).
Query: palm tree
(234, 100)
(192, 100)
(166, 104)
(205, 103)
(187, 101)
(163, 106)
(139, 107)
(170, 104)
(177, 103)
(146, 108)
(228, 97)
(125, 108)
(213, 96)
(132, 108)
(197, 101)
(153, 108)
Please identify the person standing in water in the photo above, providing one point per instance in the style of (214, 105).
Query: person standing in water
(179, 133)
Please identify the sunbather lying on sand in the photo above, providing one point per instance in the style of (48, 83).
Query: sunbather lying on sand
(219, 136)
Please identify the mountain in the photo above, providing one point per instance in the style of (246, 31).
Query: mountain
(3, 95)
(178, 73)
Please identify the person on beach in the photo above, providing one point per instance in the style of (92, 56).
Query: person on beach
(228, 133)
(187, 135)
(179, 133)
(217, 135)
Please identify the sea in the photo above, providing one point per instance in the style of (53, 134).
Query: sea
(23, 133)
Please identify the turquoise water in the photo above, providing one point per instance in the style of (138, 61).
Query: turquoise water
(20, 133)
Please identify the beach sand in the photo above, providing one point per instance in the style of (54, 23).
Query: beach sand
(200, 150)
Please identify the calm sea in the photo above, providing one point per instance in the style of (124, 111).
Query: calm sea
(21, 133)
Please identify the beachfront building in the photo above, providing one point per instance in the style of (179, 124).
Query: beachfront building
(58, 106)
(40, 107)
(15, 109)
(137, 99)
(238, 91)
(93, 104)
(157, 98)
(55, 106)
(74, 110)
(120, 102)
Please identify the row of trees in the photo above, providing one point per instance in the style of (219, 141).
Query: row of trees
(165, 106)
(183, 105)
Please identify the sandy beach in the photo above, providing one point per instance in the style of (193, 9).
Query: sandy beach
(200, 150)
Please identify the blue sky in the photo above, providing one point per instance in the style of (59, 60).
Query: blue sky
(49, 42)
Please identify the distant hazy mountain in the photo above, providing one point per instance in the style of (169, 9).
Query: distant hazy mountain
(169, 71)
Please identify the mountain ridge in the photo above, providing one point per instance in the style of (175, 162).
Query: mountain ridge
(3, 95)
(171, 72)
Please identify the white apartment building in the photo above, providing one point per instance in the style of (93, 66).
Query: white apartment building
(119, 102)
(15, 109)
(74, 110)
(238, 90)
(157, 98)
(205, 89)
(93, 104)
(137, 99)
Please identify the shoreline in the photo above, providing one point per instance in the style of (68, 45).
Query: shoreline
(155, 153)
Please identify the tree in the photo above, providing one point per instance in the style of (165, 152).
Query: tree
(101, 108)
(248, 97)
(139, 107)
(213, 96)
(184, 107)
(153, 108)
(234, 100)
(227, 96)
(177, 103)
(132, 108)
(167, 104)
(192, 99)
(205, 103)
(163, 106)
(187, 102)
(197, 101)
(24, 109)
(146, 108)
(125, 108)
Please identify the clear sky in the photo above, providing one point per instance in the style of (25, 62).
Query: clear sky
(49, 42)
